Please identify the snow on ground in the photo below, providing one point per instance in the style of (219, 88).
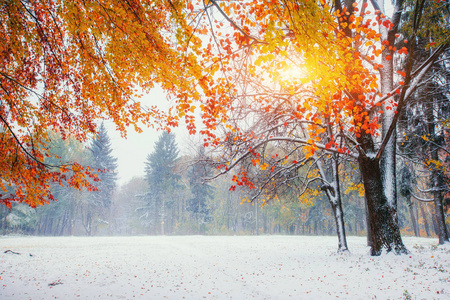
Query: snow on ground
(213, 267)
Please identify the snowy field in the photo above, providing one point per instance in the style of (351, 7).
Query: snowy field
(212, 267)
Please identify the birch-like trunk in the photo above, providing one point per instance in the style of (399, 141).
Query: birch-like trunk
(439, 209)
(336, 204)
(388, 157)
(334, 197)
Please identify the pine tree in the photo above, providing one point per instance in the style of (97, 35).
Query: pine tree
(105, 165)
(161, 177)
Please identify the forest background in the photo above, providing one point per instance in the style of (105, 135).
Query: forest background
(125, 210)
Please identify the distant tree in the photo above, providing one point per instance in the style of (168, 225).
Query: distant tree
(161, 177)
(21, 219)
(406, 190)
(124, 217)
(106, 166)
(201, 191)
(98, 203)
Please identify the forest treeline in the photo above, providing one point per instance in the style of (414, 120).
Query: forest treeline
(176, 198)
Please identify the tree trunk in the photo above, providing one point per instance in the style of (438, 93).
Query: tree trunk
(388, 157)
(369, 237)
(298, 222)
(440, 220)
(163, 216)
(64, 222)
(336, 205)
(384, 229)
(413, 216)
(333, 192)
(256, 217)
(340, 227)
(425, 220)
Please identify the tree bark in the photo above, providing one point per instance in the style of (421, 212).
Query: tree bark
(336, 205)
(384, 229)
(333, 192)
(387, 162)
(340, 227)
(440, 219)
(369, 237)
(425, 220)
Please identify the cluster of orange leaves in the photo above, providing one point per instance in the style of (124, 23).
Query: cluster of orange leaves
(339, 72)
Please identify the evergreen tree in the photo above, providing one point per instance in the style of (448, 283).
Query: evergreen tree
(97, 206)
(200, 190)
(161, 177)
(106, 165)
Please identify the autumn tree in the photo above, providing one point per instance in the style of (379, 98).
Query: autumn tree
(67, 64)
(281, 168)
(321, 64)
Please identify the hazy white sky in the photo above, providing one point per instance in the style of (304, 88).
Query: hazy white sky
(132, 152)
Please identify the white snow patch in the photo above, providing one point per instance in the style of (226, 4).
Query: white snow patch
(371, 155)
(237, 267)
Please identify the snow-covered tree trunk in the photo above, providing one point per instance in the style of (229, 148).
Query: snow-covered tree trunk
(387, 162)
(384, 229)
(333, 192)
(388, 157)
(336, 204)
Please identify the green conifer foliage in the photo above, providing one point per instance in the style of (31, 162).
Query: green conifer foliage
(162, 179)
(106, 165)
